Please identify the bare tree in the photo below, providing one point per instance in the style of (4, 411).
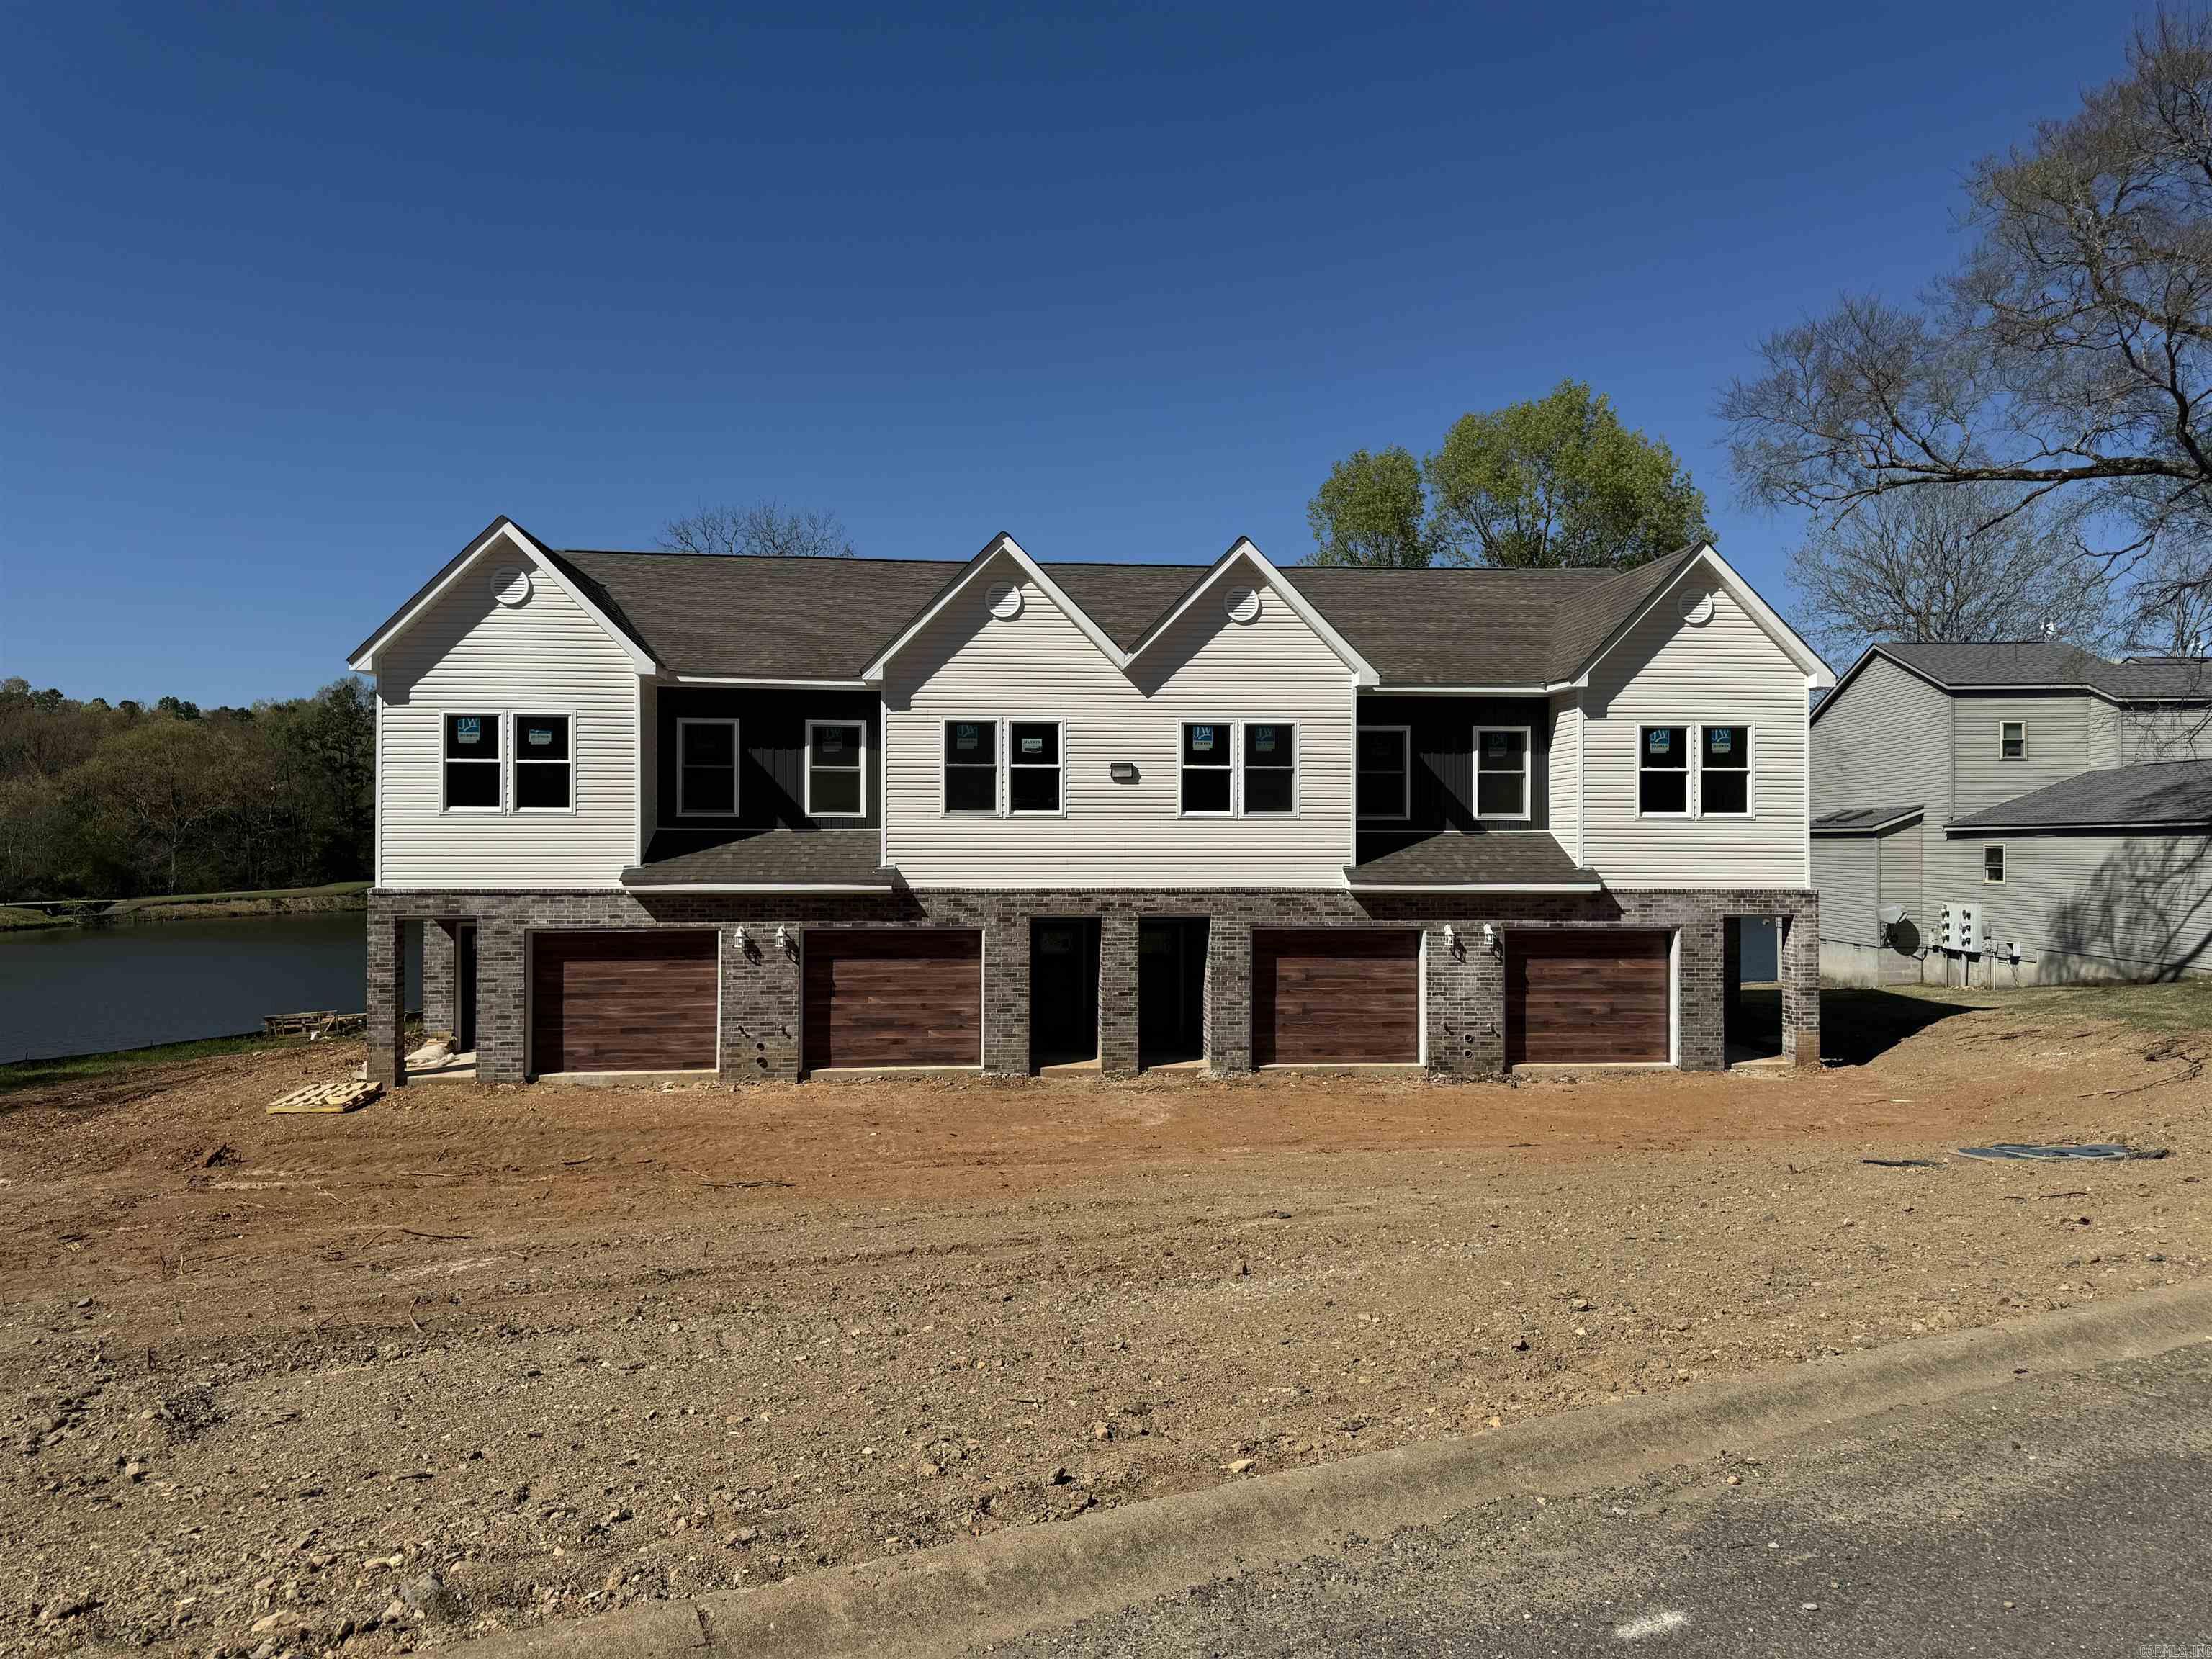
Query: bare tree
(1952, 564)
(2070, 355)
(2170, 616)
(762, 531)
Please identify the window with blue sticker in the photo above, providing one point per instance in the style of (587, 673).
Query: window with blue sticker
(1724, 771)
(1208, 765)
(1663, 773)
(971, 766)
(544, 777)
(1271, 768)
(473, 764)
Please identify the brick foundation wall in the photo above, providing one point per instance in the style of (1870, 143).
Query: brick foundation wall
(1464, 981)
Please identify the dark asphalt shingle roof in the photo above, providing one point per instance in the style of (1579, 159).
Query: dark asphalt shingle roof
(1999, 664)
(828, 618)
(799, 858)
(1860, 820)
(1472, 858)
(2163, 792)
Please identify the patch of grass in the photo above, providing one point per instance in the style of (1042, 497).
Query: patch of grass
(2183, 1006)
(156, 900)
(15, 919)
(73, 1068)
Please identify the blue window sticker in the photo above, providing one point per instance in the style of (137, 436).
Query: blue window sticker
(1660, 742)
(1723, 741)
(468, 729)
(1201, 738)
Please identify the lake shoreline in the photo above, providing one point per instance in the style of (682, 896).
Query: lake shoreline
(338, 898)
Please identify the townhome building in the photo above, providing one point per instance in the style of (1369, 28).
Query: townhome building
(778, 818)
(2014, 811)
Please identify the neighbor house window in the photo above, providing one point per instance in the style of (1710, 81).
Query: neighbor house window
(1501, 771)
(543, 774)
(1724, 771)
(1993, 866)
(971, 766)
(1662, 770)
(473, 770)
(2012, 739)
(1207, 764)
(836, 778)
(1385, 772)
(1271, 768)
(706, 769)
(1033, 766)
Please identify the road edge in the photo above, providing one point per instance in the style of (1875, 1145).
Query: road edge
(994, 1588)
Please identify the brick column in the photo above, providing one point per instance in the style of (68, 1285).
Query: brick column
(1117, 994)
(1704, 994)
(442, 1008)
(760, 1004)
(1228, 998)
(1006, 995)
(1466, 1019)
(502, 1036)
(1799, 968)
(386, 988)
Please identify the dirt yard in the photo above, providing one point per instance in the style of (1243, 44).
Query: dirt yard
(476, 1359)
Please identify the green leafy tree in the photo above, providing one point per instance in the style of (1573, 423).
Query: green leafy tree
(1370, 511)
(1558, 480)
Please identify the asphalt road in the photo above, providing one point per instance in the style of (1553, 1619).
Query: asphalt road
(2071, 1514)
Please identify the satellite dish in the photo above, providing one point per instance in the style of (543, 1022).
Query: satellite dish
(1005, 601)
(510, 584)
(1242, 605)
(1696, 609)
(1891, 914)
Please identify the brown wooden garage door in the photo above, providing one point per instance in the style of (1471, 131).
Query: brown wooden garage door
(1342, 996)
(622, 1002)
(908, 997)
(1574, 997)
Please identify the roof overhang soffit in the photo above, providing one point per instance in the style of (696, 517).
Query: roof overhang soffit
(502, 537)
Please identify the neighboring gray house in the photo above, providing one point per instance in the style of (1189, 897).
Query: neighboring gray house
(2061, 802)
(771, 817)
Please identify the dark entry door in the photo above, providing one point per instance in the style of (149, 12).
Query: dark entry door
(1063, 991)
(1170, 990)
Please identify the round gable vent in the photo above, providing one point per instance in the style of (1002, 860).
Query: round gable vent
(1696, 609)
(1242, 605)
(510, 584)
(1005, 601)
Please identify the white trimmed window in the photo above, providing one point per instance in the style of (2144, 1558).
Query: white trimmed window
(1662, 771)
(1724, 771)
(545, 764)
(1993, 861)
(1502, 773)
(1271, 768)
(971, 766)
(2012, 739)
(706, 768)
(1385, 768)
(1209, 766)
(836, 769)
(1035, 766)
(471, 764)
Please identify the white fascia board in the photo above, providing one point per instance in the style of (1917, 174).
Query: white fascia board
(1817, 674)
(509, 534)
(873, 673)
(1364, 673)
(1476, 886)
(1552, 689)
(1973, 831)
(757, 887)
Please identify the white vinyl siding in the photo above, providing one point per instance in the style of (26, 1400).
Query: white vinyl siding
(2130, 735)
(466, 654)
(1886, 741)
(1564, 758)
(967, 665)
(1846, 869)
(1666, 673)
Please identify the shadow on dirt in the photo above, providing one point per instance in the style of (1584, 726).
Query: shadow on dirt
(1857, 1027)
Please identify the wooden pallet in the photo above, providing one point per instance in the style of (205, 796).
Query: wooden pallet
(320, 1024)
(348, 1097)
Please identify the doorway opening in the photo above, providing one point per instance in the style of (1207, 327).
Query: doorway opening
(464, 988)
(1063, 991)
(1170, 990)
(1752, 1006)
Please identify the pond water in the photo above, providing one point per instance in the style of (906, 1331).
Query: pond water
(85, 990)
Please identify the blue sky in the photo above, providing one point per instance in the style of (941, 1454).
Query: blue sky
(293, 303)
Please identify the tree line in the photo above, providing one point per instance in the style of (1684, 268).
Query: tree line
(120, 800)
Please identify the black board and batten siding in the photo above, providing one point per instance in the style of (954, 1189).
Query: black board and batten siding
(1443, 793)
(771, 752)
